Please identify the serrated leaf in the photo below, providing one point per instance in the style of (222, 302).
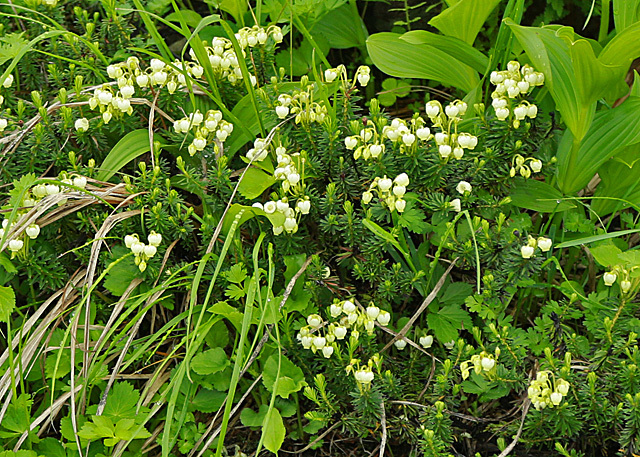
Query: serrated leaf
(7, 303)
(20, 188)
(413, 220)
(456, 293)
(210, 361)
(121, 402)
(17, 417)
(12, 45)
(237, 273)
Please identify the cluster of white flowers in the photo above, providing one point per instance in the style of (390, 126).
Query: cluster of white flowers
(484, 363)
(31, 199)
(389, 192)
(543, 391)
(512, 85)
(223, 58)
(610, 277)
(367, 144)
(346, 317)
(519, 165)
(449, 141)
(300, 103)
(362, 75)
(290, 172)
(363, 374)
(143, 252)
(400, 132)
(8, 81)
(256, 35)
(206, 128)
(528, 249)
(290, 224)
(128, 74)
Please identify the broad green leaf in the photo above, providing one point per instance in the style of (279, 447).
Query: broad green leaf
(611, 131)
(455, 47)
(401, 59)
(17, 417)
(606, 255)
(619, 53)
(630, 258)
(131, 146)
(342, 28)
(593, 239)
(538, 196)
(208, 401)
(250, 418)
(456, 293)
(625, 13)
(122, 273)
(447, 321)
(573, 75)
(228, 312)
(191, 18)
(291, 377)
(51, 447)
(619, 180)
(210, 361)
(254, 183)
(464, 19)
(7, 303)
(121, 402)
(236, 8)
(273, 430)
(276, 219)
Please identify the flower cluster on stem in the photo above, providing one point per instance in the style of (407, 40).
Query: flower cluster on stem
(450, 142)
(31, 199)
(546, 390)
(206, 129)
(143, 252)
(389, 192)
(543, 243)
(512, 85)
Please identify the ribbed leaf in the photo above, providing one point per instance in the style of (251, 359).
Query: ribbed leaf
(464, 19)
(625, 13)
(455, 47)
(611, 131)
(538, 196)
(401, 59)
(131, 146)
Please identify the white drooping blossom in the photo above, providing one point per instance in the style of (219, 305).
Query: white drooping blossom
(143, 252)
(512, 85)
(547, 391)
(207, 129)
(390, 192)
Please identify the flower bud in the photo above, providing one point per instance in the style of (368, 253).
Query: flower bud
(426, 341)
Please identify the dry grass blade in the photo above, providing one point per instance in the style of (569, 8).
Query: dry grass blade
(66, 296)
(427, 301)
